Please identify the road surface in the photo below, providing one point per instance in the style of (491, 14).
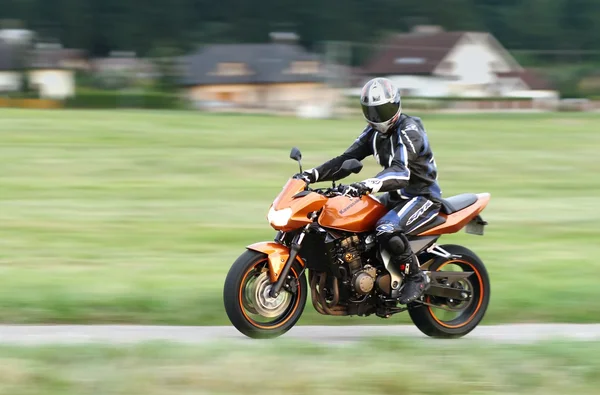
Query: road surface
(124, 334)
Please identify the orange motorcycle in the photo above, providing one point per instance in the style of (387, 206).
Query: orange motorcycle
(330, 236)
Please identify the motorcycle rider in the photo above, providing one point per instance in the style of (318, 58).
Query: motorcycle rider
(400, 145)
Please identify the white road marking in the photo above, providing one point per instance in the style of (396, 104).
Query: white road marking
(127, 334)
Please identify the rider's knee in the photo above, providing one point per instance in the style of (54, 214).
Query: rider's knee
(391, 238)
(396, 245)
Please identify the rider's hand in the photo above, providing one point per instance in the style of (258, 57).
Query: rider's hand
(356, 189)
(307, 176)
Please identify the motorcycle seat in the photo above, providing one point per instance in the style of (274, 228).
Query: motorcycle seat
(457, 203)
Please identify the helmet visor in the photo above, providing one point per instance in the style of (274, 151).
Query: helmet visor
(380, 113)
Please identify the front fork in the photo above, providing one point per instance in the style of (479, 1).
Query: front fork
(294, 250)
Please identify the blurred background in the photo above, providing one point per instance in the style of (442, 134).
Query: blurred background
(285, 56)
(142, 142)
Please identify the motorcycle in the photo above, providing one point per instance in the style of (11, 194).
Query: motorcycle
(330, 236)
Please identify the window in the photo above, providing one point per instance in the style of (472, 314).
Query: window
(303, 67)
(231, 69)
(409, 60)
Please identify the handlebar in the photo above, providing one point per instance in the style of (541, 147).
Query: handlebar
(340, 190)
(328, 192)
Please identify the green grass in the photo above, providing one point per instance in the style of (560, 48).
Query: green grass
(132, 216)
(379, 366)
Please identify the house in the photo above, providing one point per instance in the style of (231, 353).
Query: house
(44, 68)
(279, 74)
(50, 72)
(431, 62)
(66, 58)
(16, 36)
(10, 78)
(524, 83)
(124, 62)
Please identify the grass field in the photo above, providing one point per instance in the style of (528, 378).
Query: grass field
(373, 367)
(111, 216)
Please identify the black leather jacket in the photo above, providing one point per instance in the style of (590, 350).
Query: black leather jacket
(405, 154)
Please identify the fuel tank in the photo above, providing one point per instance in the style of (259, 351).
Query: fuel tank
(351, 214)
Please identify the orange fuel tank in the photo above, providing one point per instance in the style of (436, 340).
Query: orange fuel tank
(351, 214)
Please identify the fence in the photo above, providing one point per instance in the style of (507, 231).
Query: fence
(30, 103)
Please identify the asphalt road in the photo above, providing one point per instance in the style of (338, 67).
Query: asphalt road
(124, 334)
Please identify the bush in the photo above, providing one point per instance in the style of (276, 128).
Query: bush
(120, 99)
(23, 95)
(570, 105)
(466, 98)
(355, 99)
(571, 80)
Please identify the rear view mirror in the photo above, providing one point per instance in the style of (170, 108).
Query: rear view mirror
(296, 154)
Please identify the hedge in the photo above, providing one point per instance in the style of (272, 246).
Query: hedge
(119, 99)
(461, 98)
(464, 98)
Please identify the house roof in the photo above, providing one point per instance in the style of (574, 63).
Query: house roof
(7, 61)
(54, 58)
(38, 58)
(533, 80)
(266, 63)
(412, 53)
(128, 63)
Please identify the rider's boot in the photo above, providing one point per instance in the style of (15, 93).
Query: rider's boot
(415, 281)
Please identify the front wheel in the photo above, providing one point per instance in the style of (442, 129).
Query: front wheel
(248, 304)
(447, 318)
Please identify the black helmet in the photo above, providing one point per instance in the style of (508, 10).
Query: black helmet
(380, 102)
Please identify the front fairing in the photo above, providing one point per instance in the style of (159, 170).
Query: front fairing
(285, 197)
(297, 208)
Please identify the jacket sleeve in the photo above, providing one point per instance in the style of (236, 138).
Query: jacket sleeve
(360, 149)
(397, 175)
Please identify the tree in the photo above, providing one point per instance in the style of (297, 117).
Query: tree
(100, 26)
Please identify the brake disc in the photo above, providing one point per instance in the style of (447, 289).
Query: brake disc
(265, 305)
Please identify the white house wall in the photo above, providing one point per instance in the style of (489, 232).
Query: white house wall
(423, 86)
(53, 84)
(474, 61)
(9, 81)
(536, 94)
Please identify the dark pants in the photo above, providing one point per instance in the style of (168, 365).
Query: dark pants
(406, 216)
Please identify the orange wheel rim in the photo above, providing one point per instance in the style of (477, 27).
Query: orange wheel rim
(479, 302)
(287, 314)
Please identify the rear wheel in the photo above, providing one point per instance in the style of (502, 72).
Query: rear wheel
(248, 304)
(447, 318)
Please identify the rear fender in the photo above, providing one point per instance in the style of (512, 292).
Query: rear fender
(458, 220)
(277, 255)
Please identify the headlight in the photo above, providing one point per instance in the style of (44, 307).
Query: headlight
(279, 217)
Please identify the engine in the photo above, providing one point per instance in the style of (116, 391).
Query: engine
(362, 276)
(348, 284)
(364, 280)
